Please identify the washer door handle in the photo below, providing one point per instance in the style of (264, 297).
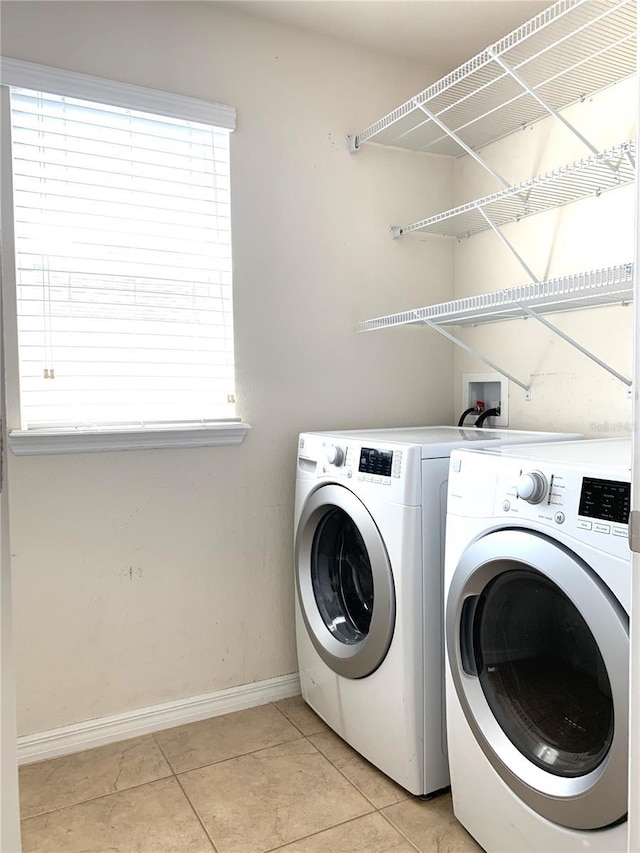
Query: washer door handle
(467, 616)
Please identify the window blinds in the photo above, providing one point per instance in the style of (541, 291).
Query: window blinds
(123, 255)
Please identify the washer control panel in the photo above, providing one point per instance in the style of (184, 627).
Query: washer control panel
(589, 508)
(391, 471)
(322, 457)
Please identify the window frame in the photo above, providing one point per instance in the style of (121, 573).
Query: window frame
(39, 441)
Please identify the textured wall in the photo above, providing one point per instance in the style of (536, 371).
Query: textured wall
(143, 577)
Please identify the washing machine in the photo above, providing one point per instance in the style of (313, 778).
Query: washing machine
(369, 546)
(537, 594)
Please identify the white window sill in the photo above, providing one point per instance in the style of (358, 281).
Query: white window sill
(38, 442)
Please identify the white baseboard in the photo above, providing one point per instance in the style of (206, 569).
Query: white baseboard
(92, 733)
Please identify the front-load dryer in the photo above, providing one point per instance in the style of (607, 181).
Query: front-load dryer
(369, 547)
(537, 594)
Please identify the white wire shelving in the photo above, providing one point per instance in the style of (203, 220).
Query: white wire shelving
(570, 50)
(609, 286)
(594, 289)
(590, 176)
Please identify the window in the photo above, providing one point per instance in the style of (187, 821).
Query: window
(122, 246)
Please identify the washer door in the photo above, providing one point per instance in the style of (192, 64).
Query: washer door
(539, 654)
(344, 582)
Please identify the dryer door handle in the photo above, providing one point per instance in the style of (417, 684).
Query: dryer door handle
(467, 618)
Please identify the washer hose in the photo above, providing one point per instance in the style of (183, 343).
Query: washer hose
(466, 413)
(488, 413)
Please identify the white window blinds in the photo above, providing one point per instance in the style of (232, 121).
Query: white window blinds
(123, 256)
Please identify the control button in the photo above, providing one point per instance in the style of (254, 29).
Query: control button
(361, 477)
(396, 474)
(349, 474)
(506, 506)
(584, 525)
(455, 465)
(386, 481)
(602, 528)
(559, 518)
(377, 479)
(368, 478)
(620, 531)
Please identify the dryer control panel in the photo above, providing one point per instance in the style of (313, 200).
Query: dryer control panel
(589, 508)
(392, 472)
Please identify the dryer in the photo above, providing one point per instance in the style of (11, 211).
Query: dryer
(369, 546)
(537, 596)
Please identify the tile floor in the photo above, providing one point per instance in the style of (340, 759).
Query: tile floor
(268, 778)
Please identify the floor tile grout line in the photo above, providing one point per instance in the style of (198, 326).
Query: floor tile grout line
(108, 793)
(164, 755)
(397, 828)
(344, 775)
(360, 791)
(196, 813)
(188, 799)
(99, 797)
(231, 757)
(289, 720)
(320, 831)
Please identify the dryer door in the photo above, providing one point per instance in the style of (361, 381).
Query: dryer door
(344, 582)
(539, 651)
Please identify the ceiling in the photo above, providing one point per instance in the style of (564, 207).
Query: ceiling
(439, 33)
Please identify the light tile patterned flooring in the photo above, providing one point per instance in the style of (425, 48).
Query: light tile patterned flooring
(268, 778)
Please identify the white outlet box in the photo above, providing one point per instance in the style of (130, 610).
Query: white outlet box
(493, 390)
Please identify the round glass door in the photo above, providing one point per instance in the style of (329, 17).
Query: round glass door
(538, 650)
(542, 673)
(341, 577)
(344, 582)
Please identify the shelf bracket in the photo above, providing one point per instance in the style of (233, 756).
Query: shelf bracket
(531, 313)
(459, 142)
(476, 354)
(540, 100)
(534, 314)
(509, 246)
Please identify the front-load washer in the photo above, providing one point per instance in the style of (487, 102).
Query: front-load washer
(537, 594)
(369, 546)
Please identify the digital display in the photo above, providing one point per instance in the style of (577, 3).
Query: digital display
(608, 500)
(376, 462)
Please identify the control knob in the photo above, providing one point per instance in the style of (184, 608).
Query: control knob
(532, 487)
(335, 455)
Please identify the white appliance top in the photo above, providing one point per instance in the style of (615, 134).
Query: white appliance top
(439, 441)
(610, 455)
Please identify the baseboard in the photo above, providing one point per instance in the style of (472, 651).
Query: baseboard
(92, 733)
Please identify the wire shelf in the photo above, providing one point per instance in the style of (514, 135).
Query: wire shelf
(590, 176)
(609, 286)
(570, 50)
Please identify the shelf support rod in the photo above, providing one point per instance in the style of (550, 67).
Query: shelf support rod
(575, 344)
(476, 354)
(542, 102)
(531, 313)
(462, 144)
(509, 246)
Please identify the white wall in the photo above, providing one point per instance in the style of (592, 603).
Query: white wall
(142, 577)
(569, 392)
